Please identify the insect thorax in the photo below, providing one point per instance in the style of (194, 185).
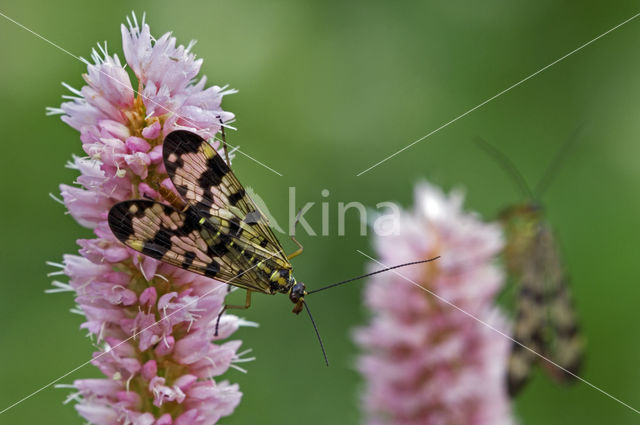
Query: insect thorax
(521, 223)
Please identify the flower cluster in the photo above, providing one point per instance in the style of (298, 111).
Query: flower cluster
(427, 362)
(154, 323)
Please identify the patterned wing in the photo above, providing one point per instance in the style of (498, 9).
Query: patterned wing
(562, 341)
(178, 238)
(527, 329)
(207, 183)
(545, 319)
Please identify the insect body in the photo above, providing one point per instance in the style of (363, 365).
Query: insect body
(213, 228)
(218, 232)
(545, 321)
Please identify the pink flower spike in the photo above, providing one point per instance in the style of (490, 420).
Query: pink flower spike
(424, 361)
(154, 324)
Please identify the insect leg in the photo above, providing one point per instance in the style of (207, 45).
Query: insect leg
(246, 305)
(297, 251)
(293, 238)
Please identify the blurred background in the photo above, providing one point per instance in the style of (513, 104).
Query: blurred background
(328, 89)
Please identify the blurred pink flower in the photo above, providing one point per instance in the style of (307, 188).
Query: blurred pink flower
(165, 374)
(424, 361)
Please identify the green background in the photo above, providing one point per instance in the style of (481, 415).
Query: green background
(327, 89)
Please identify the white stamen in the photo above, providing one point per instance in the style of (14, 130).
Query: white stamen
(128, 382)
(73, 90)
(55, 198)
(134, 333)
(77, 310)
(70, 97)
(242, 353)
(103, 49)
(213, 365)
(59, 287)
(64, 386)
(101, 333)
(71, 397)
(244, 322)
(238, 368)
(238, 357)
(53, 111)
(161, 277)
(190, 45)
(142, 271)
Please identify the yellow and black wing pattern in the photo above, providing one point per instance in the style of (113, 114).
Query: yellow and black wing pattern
(219, 234)
(545, 319)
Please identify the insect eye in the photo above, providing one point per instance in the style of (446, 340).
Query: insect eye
(297, 292)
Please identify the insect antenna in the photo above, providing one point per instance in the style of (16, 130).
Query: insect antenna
(559, 157)
(315, 328)
(372, 273)
(507, 165)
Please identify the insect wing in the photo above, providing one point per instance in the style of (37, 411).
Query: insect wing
(527, 330)
(545, 319)
(562, 341)
(207, 183)
(176, 238)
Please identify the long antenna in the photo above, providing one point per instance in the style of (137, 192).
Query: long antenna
(561, 154)
(371, 274)
(507, 165)
(315, 328)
